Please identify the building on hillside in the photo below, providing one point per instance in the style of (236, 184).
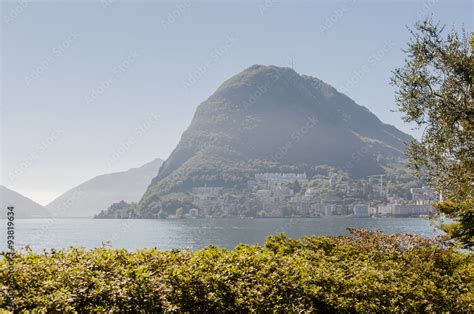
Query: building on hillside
(401, 210)
(194, 212)
(323, 209)
(412, 210)
(332, 182)
(333, 197)
(384, 210)
(393, 199)
(423, 195)
(207, 198)
(301, 204)
(274, 202)
(311, 192)
(330, 209)
(361, 210)
(344, 186)
(264, 195)
(317, 210)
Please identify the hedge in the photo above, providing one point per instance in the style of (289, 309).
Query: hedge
(365, 272)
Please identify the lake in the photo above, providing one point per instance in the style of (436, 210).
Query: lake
(190, 233)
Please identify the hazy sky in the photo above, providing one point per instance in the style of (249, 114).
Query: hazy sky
(91, 87)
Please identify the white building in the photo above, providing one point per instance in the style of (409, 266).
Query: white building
(330, 209)
(412, 210)
(400, 210)
(423, 195)
(301, 204)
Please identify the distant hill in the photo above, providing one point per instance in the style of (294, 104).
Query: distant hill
(24, 207)
(271, 119)
(96, 194)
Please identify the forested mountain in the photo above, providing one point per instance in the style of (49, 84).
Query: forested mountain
(271, 119)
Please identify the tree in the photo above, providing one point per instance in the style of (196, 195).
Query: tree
(162, 214)
(434, 91)
(179, 212)
(295, 186)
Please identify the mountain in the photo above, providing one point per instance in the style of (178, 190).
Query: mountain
(24, 207)
(272, 119)
(96, 194)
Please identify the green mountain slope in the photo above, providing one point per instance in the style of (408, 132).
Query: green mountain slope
(268, 118)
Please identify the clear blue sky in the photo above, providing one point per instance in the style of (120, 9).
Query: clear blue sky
(90, 87)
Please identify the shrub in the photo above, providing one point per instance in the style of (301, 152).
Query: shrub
(365, 272)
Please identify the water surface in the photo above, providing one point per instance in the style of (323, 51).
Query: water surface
(190, 233)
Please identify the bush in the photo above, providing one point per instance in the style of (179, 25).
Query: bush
(368, 272)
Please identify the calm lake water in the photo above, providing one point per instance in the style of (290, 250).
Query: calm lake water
(190, 233)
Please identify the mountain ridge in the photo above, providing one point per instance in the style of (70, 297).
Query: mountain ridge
(24, 206)
(97, 193)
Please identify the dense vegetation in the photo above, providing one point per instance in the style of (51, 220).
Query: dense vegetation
(367, 271)
(435, 91)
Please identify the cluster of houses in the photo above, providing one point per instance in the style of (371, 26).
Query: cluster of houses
(207, 198)
(277, 199)
(421, 204)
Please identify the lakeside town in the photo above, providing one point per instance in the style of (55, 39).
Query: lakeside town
(294, 195)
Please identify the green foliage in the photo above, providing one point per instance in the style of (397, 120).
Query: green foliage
(121, 209)
(463, 213)
(179, 212)
(295, 186)
(366, 272)
(435, 92)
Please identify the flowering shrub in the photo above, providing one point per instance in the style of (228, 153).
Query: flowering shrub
(368, 272)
